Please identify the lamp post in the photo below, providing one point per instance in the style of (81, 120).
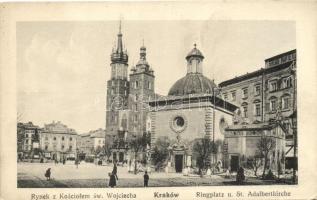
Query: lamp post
(77, 158)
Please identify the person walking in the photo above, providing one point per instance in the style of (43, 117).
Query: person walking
(146, 179)
(48, 174)
(240, 176)
(112, 180)
(115, 169)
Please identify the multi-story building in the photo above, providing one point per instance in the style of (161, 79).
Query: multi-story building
(265, 92)
(58, 142)
(27, 138)
(91, 143)
(267, 95)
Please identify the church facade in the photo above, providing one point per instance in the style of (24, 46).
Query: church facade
(195, 108)
(192, 109)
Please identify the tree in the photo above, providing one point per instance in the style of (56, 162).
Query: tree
(160, 151)
(137, 144)
(203, 149)
(98, 150)
(108, 146)
(265, 146)
(256, 163)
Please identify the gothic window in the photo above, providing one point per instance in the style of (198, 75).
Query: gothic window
(70, 139)
(46, 147)
(136, 84)
(63, 138)
(135, 118)
(54, 138)
(124, 122)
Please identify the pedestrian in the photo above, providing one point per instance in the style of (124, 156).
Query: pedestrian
(115, 169)
(240, 176)
(48, 174)
(112, 180)
(146, 179)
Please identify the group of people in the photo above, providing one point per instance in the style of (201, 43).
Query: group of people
(113, 177)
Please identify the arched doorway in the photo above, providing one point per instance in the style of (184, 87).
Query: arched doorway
(179, 160)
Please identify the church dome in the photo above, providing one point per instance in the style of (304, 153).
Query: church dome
(192, 83)
(194, 53)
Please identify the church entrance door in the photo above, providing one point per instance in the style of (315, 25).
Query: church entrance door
(234, 163)
(178, 163)
(121, 155)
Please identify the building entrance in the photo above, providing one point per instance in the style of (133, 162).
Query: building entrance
(178, 163)
(234, 163)
(121, 155)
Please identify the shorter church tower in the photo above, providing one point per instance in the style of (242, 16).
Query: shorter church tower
(141, 91)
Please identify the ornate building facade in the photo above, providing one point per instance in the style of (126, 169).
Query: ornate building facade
(58, 142)
(26, 136)
(195, 106)
(267, 96)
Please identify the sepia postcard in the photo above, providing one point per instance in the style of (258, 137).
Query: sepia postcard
(158, 100)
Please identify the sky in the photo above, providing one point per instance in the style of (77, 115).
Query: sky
(62, 67)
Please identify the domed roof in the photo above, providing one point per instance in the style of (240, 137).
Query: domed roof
(194, 53)
(192, 83)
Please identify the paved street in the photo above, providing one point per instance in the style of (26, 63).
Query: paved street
(92, 176)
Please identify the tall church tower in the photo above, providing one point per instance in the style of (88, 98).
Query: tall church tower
(141, 90)
(117, 86)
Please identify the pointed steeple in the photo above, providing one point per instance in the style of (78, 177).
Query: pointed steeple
(119, 44)
(119, 55)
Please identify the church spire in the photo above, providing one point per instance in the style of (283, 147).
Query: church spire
(119, 45)
(119, 55)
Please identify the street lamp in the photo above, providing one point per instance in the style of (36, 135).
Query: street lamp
(77, 158)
